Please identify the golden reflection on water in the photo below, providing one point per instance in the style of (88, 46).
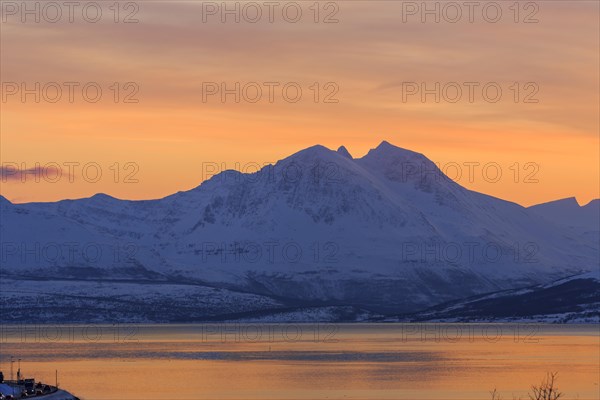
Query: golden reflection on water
(307, 361)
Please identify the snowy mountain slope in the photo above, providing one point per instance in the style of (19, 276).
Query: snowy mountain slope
(575, 299)
(575, 220)
(568, 212)
(87, 301)
(37, 240)
(387, 232)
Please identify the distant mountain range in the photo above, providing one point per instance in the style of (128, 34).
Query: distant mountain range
(317, 236)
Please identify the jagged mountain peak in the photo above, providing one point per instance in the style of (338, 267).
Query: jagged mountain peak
(387, 150)
(403, 166)
(344, 151)
(338, 163)
(317, 162)
(568, 212)
(312, 153)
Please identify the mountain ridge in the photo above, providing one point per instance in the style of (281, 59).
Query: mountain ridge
(383, 146)
(318, 227)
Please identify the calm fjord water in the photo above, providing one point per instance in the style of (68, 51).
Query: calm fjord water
(306, 361)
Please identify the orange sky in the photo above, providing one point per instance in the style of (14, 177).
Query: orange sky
(164, 139)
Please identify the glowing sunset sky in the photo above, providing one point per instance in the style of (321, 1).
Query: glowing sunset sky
(368, 54)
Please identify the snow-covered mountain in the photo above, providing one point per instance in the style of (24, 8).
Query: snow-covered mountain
(386, 233)
(568, 213)
(573, 219)
(575, 299)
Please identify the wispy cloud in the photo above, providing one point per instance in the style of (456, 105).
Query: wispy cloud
(11, 172)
